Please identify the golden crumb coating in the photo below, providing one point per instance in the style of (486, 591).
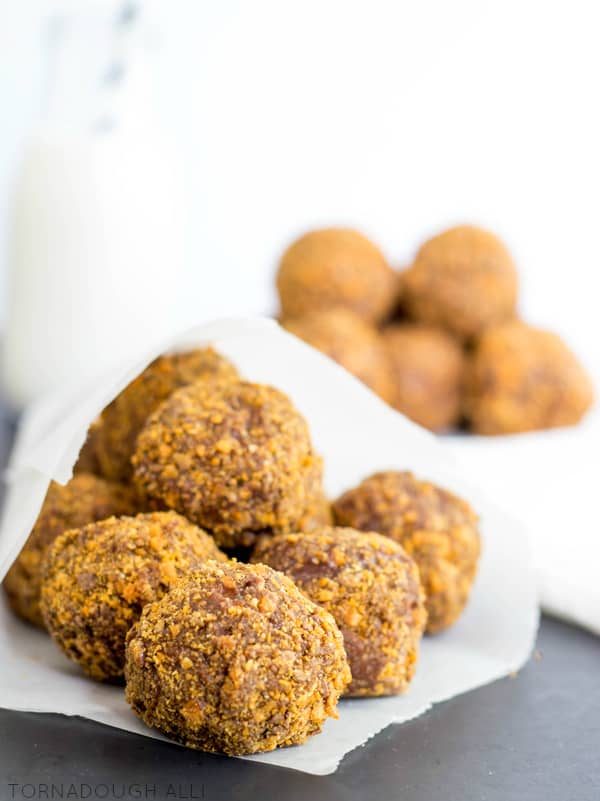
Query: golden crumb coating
(521, 378)
(371, 587)
(236, 458)
(316, 514)
(317, 506)
(97, 580)
(426, 373)
(438, 529)
(335, 267)
(83, 500)
(463, 280)
(124, 417)
(235, 659)
(349, 340)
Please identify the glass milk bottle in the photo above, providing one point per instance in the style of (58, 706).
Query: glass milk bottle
(96, 244)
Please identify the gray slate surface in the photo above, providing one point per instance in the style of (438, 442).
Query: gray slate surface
(535, 736)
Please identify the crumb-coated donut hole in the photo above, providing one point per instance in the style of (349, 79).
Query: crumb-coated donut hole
(122, 420)
(347, 339)
(426, 374)
(236, 458)
(317, 506)
(84, 499)
(335, 267)
(463, 280)
(235, 659)
(371, 587)
(438, 529)
(521, 378)
(97, 579)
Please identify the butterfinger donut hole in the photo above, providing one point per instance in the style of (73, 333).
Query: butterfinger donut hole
(235, 458)
(463, 280)
(97, 580)
(371, 587)
(437, 528)
(335, 267)
(349, 340)
(122, 420)
(426, 374)
(235, 659)
(82, 500)
(520, 378)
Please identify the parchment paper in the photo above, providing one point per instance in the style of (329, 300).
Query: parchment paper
(357, 434)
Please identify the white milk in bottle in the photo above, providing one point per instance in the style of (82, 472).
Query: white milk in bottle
(96, 251)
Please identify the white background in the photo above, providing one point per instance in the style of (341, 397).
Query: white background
(397, 117)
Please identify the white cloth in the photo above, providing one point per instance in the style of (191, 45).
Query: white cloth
(549, 481)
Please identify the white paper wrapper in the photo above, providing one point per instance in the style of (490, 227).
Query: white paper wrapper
(357, 434)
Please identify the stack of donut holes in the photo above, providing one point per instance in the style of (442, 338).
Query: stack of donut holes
(194, 558)
(441, 341)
